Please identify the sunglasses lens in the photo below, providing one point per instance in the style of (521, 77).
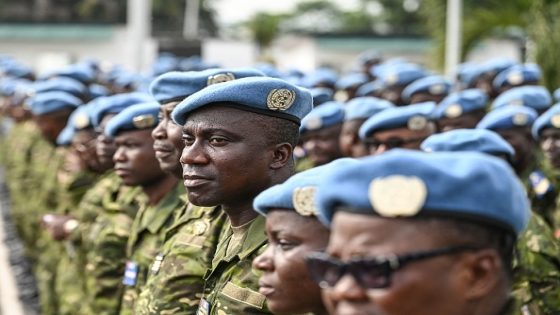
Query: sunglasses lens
(371, 275)
(324, 271)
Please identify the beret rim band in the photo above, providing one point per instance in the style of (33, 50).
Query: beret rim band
(242, 107)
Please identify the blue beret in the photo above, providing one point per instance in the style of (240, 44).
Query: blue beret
(351, 80)
(98, 90)
(116, 103)
(78, 72)
(365, 107)
(472, 186)
(400, 74)
(321, 75)
(477, 140)
(495, 66)
(321, 95)
(15, 70)
(79, 119)
(415, 117)
(508, 117)
(63, 84)
(433, 85)
(458, 103)
(176, 86)
(64, 138)
(548, 119)
(298, 192)
(326, 115)
(135, 117)
(518, 75)
(369, 88)
(557, 95)
(15, 87)
(269, 70)
(536, 97)
(49, 102)
(262, 95)
(469, 73)
(7, 86)
(165, 62)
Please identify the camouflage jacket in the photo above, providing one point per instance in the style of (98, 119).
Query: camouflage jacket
(231, 285)
(537, 269)
(146, 237)
(175, 282)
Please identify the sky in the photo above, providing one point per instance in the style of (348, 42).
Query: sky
(233, 11)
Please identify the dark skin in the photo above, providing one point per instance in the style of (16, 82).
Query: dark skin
(393, 94)
(84, 144)
(136, 164)
(465, 121)
(105, 146)
(464, 283)
(426, 97)
(228, 160)
(413, 139)
(349, 141)
(322, 146)
(524, 145)
(168, 142)
(51, 124)
(285, 282)
(550, 145)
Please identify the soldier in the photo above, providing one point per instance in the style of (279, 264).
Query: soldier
(356, 112)
(136, 165)
(482, 76)
(404, 127)
(431, 88)
(320, 131)
(462, 109)
(347, 85)
(293, 231)
(395, 77)
(226, 127)
(517, 75)
(175, 280)
(464, 228)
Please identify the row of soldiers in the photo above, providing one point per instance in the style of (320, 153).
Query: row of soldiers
(175, 193)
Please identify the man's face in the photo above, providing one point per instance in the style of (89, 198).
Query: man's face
(135, 160)
(168, 142)
(385, 140)
(550, 144)
(322, 146)
(426, 97)
(465, 121)
(51, 124)
(84, 144)
(226, 159)
(393, 94)
(430, 286)
(285, 282)
(349, 141)
(105, 146)
(523, 144)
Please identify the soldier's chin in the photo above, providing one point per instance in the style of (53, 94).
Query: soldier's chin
(201, 200)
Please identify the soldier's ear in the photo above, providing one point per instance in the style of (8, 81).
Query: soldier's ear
(481, 272)
(281, 155)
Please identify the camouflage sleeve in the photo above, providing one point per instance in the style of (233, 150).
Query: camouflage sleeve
(175, 283)
(537, 269)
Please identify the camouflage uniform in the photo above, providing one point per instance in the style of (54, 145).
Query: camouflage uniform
(105, 241)
(146, 237)
(175, 283)
(537, 269)
(231, 284)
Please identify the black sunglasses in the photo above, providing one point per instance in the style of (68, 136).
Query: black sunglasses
(391, 143)
(370, 272)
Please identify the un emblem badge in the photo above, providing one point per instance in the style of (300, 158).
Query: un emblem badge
(280, 99)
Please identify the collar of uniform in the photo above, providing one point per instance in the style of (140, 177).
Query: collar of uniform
(166, 207)
(255, 237)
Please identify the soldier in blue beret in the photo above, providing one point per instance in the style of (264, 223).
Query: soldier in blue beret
(399, 127)
(546, 130)
(517, 75)
(168, 286)
(536, 97)
(51, 111)
(485, 74)
(395, 78)
(68, 85)
(356, 112)
(431, 88)
(322, 77)
(373, 89)
(514, 123)
(228, 127)
(136, 165)
(293, 231)
(463, 211)
(462, 109)
(321, 95)
(320, 131)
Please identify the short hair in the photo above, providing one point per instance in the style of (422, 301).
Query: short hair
(456, 231)
(277, 130)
